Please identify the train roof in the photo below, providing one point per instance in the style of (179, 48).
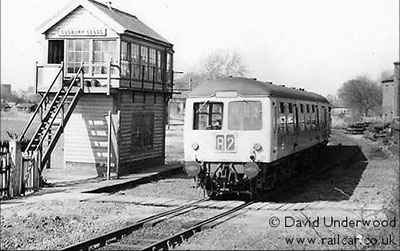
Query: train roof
(252, 87)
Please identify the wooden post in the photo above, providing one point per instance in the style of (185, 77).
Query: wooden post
(82, 81)
(117, 141)
(109, 145)
(109, 78)
(36, 172)
(36, 77)
(16, 175)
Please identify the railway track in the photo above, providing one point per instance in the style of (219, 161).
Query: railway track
(112, 239)
(101, 241)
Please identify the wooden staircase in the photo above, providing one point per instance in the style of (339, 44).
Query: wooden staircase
(55, 111)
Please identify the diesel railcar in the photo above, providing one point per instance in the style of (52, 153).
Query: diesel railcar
(245, 136)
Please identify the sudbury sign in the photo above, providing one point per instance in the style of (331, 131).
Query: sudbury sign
(82, 32)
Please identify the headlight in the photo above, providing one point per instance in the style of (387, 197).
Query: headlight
(195, 146)
(257, 147)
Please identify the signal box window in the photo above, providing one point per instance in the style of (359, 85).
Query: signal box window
(142, 131)
(245, 115)
(77, 52)
(103, 52)
(207, 116)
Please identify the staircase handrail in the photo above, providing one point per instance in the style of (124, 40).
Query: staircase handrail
(40, 103)
(66, 118)
(47, 113)
(59, 108)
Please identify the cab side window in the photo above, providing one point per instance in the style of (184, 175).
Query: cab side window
(207, 116)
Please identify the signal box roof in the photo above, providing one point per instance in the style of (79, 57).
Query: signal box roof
(251, 87)
(120, 21)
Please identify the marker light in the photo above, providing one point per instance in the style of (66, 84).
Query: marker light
(195, 146)
(257, 147)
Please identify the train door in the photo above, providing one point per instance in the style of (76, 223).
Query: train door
(296, 131)
(275, 126)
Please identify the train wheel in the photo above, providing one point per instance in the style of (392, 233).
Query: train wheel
(211, 194)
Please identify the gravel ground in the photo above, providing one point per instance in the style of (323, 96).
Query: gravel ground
(179, 186)
(56, 224)
(372, 178)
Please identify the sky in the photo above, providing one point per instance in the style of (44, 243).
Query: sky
(313, 44)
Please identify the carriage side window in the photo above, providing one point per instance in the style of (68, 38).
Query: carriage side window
(308, 117)
(282, 117)
(313, 118)
(290, 118)
(207, 116)
(302, 118)
(296, 116)
(245, 115)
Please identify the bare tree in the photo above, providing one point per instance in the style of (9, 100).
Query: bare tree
(362, 95)
(223, 63)
(218, 64)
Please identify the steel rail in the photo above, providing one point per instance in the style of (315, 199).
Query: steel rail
(117, 235)
(178, 238)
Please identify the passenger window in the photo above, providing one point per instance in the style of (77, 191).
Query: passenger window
(308, 118)
(313, 118)
(302, 118)
(207, 116)
(282, 117)
(290, 118)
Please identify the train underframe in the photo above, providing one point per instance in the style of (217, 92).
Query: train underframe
(225, 178)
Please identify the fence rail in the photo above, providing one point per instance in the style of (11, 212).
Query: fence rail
(19, 172)
(5, 169)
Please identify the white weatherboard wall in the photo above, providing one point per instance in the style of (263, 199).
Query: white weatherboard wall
(86, 131)
(82, 19)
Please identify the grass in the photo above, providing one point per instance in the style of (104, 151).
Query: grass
(15, 122)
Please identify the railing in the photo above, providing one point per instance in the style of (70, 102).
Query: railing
(48, 73)
(30, 167)
(42, 101)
